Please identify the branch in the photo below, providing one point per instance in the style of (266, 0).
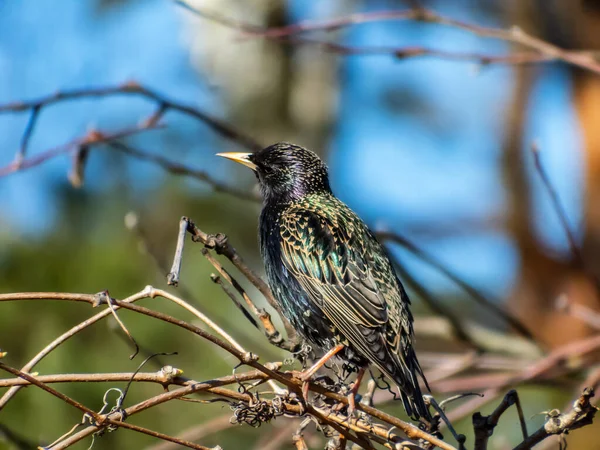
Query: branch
(484, 426)
(132, 88)
(176, 168)
(582, 414)
(270, 372)
(539, 50)
(65, 336)
(92, 138)
(220, 244)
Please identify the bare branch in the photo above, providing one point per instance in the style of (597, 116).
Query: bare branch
(93, 138)
(582, 414)
(220, 244)
(132, 88)
(539, 50)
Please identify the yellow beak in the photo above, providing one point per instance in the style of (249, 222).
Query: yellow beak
(242, 158)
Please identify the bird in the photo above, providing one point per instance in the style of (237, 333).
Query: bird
(330, 275)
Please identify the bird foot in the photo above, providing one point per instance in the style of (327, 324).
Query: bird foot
(351, 404)
(305, 377)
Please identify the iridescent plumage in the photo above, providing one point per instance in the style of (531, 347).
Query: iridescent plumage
(329, 273)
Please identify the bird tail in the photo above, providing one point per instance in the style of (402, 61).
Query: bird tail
(406, 376)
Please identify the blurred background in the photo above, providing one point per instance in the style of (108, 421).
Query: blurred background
(437, 150)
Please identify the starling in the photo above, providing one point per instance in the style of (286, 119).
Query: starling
(329, 274)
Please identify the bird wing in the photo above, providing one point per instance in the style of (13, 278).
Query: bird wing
(341, 266)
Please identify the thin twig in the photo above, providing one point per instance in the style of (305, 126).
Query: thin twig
(132, 88)
(220, 244)
(539, 50)
(556, 204)
(180, 169)
(63, 337)
(105, 297)
(217, 280)
(484, 425)
(92, 138)
(268, 328)
(248, 359)
(581, 414)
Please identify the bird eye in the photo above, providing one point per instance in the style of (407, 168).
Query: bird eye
(267, 170)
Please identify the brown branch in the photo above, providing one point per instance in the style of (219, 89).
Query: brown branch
(539, 50)
(51, 391)
(484, 426)
(65, 336)
(582, 414)
(220, 244)
(180, 169)
(149, 377)
(92, 138)
(294, 384)
(132, 88)
(268, 328)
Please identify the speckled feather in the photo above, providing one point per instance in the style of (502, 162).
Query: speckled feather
(331, 276)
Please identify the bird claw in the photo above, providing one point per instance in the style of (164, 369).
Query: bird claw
(351, 404)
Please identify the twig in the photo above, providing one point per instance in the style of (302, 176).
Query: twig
(180, 169)
(268, 328)
(64, 337)
(540, 51)
(483, 426)
(221, 245)
(160, 377)
(582, 414)
(136, 89)
(104, 297)
(92, 138)
(578, 310)
(35, 112)
(217, 280)
(562, 215)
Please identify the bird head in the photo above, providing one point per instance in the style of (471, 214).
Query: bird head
(285, 172)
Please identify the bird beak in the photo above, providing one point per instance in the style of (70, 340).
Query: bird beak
(242, 158)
